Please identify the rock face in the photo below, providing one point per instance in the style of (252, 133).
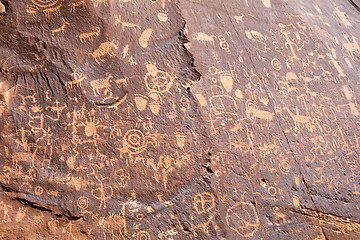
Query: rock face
(174, 119)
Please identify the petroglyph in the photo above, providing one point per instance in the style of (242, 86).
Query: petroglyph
(89, 35)
(163, 119)
(105, 48)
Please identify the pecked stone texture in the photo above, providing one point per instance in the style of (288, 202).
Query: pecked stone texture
(173, 119)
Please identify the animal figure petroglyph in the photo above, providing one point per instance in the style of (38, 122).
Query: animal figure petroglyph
(101, 83)
(204, 38)
(89, 35)
(105, 48)
(60, 29)
(121, 80)
(105, 2)
(259, 38)
(73, 5)
(252, 112)
(29, 61)
(124, 24)
(56, 9)
(351, 47)
(280, 217)
(300, 119)
(122, 2)
(252, 34)
(22, 156)
(308, 80)
(239, 18)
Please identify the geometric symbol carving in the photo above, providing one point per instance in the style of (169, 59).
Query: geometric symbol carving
(135, 139)
(82, 202)
(243, 219)
(204, 202)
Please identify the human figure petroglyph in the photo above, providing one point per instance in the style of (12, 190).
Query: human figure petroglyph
(103, 192)
(23, 141)
(125, 51)
(343, 16)
(132, 61)
(6, 212)
(91, 127)
(292, 46)
(105, 48)
(47, 144)
(89, 35)
(78, 78)
(57, 108)
(124, 24)
(336, 64)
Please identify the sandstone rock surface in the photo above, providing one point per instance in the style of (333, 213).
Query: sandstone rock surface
(179, 119)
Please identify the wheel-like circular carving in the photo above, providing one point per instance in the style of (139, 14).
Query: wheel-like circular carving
(285, 166)
(243, 219)
(135, 139)
(83, 202)
(143, 236)
(160, 81)
(46, 3)
(276, 64)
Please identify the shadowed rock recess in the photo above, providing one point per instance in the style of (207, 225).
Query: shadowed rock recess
(179, 119)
